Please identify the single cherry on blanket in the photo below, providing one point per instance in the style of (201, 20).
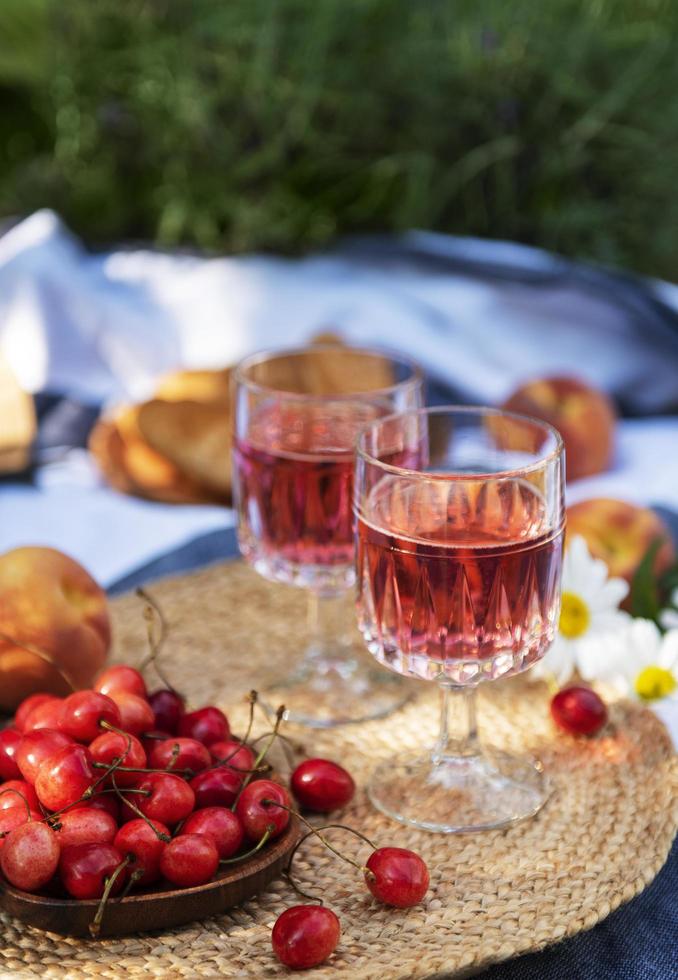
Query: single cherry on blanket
(398, 876)
(578, 711)
(322, 785)
(85, 868)
(9, 743)
(207, 725)
(305, 936)
(83, 713)
(259, 810)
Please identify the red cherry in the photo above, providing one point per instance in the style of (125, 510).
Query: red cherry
(82, 714)
(168, 707)
(9, 797)
(15, 816)
(86, 825)
(257, 814)
(45, 715)
(108, 802)
(400, 876)
(36, 748)
(111, 745)
(215, 787)
(170, 798)
(9, 743)
(137, 840)
(207, 725)
(222, 826)
(189, 860)
(65, 777)
(28, 704)
(30, 856)
(121, 678)
(191, 754)
(578, 710)
(136, 714)
(84, 869)
(305, 936)
(321, 785)
(240, 757)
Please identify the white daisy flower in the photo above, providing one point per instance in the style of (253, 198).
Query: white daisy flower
(669, 617)
(647, 661)
(589, 611)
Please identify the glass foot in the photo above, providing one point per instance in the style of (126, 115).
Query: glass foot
(343, 691)
(458, 794)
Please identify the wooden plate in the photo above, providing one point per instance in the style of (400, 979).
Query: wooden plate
(156, 909)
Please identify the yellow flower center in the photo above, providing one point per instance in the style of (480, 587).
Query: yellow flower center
(654, 683)
(574, 616)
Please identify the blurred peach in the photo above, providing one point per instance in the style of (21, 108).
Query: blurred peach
(54, 625)
(584, 416)
(620, 533)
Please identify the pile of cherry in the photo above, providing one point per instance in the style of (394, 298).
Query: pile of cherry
(113, 789)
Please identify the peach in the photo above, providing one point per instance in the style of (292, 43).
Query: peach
(54, 625)
(620, 533)
(584, 416)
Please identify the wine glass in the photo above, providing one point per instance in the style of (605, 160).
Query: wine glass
(297, 414)
(460, 526)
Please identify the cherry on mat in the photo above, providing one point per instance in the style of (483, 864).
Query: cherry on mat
(305, 936)
(578, 711)
(321, 785)
(398, 876)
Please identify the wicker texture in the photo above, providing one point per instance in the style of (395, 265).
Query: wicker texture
(602, 837)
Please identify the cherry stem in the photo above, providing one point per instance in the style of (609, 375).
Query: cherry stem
(117, 761)
(158, 833)
(316, 831)
(41, 654)
(241, 857)
(252, 700)
(188, 773)
(133, 878)
(262, 754)
(21, 797)
(152, 614)
(289, 747)
(95, 925)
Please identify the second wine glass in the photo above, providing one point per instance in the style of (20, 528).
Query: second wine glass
(297, 414)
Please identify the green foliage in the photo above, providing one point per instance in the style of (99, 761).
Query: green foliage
(279, 124)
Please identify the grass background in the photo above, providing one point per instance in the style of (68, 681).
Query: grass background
(280, 124)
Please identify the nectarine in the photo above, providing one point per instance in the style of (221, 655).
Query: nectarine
(620, 533)
(54, 625)
(584, 416)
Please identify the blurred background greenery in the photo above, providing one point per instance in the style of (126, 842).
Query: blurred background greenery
(280, 124)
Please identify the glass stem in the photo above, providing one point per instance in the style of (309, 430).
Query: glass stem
(458, 726)
(329, 626)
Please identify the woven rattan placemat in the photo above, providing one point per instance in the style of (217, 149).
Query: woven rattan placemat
(601, 838)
